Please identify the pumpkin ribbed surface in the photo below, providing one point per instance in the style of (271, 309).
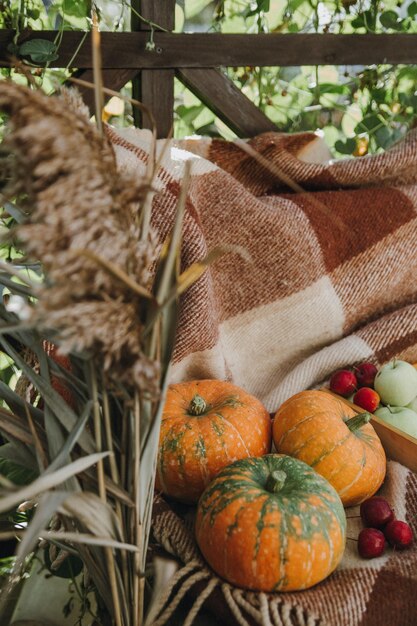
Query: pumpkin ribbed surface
(206, 425)
(312, 426)
(271, 524)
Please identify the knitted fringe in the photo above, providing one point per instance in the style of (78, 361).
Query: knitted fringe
(260, 608)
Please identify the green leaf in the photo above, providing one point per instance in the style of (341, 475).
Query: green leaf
(20, 455)
(333, 88)
(391, 19)
(33, 14)
(14, 472)
(5, 361)
(409, 72)
(383, 137)
(368, 124)
(412, 9)
(17, 214)
(264, 5)
(359, 21)
(77, 8)
(345, 147)
(379, 94)
(188, 114)
(366, 19)
(208, 130)
(293, 5)
(407, 99)
(39, 50)
(49, 481)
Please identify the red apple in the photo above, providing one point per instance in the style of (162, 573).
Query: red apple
(371, 543)
(398, 534)
(343, 382)
(365, 374)
(376, 512)
(367, 399)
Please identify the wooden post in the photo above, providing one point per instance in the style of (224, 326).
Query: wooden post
(155, 88)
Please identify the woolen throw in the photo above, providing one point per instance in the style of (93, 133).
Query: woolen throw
(328, 280)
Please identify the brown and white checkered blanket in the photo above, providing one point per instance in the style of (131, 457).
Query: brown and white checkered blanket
(331, 281)
(332, 277)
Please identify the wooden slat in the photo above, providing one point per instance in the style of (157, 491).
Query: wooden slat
(155, 88)
(222, 96)
(157, 92)
(213, 88)
(180, 50)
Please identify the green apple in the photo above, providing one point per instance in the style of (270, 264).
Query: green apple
(400, 417)
(412, 405)
(396, 383)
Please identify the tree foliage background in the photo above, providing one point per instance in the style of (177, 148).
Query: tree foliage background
(359, 109)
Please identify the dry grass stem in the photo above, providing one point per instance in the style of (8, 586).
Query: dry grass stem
(109, 300)
(97, 73)
(77, 200)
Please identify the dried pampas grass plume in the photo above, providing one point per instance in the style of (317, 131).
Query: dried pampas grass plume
(84, 227)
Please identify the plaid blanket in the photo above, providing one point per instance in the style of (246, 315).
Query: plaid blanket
(331, 276)
(330, 282)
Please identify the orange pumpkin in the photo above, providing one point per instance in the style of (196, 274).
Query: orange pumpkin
(339, 444)
(206, 425)
(271, 524)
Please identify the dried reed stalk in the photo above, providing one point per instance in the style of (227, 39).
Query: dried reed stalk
(89, 227)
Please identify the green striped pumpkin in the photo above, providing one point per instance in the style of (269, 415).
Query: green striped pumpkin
(271, 524)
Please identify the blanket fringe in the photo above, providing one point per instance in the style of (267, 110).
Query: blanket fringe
(260, 608)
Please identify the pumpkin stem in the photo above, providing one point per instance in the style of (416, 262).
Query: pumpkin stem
(198, 405)
(357, 421)
(275, 481)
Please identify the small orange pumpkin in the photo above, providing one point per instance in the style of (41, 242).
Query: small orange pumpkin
(271, 524)
(324, 432)
(206, 425)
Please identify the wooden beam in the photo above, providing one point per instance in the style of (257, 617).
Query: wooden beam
(181, 50)
(222, 96)
(213, 88)
(155, 88)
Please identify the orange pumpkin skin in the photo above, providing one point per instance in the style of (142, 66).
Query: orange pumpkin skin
(310, 426)
(280, 535)
(206, 425)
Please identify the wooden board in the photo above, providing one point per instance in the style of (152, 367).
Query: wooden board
(398, 445)
(154, 88)
(178, 50)
(222, 97)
